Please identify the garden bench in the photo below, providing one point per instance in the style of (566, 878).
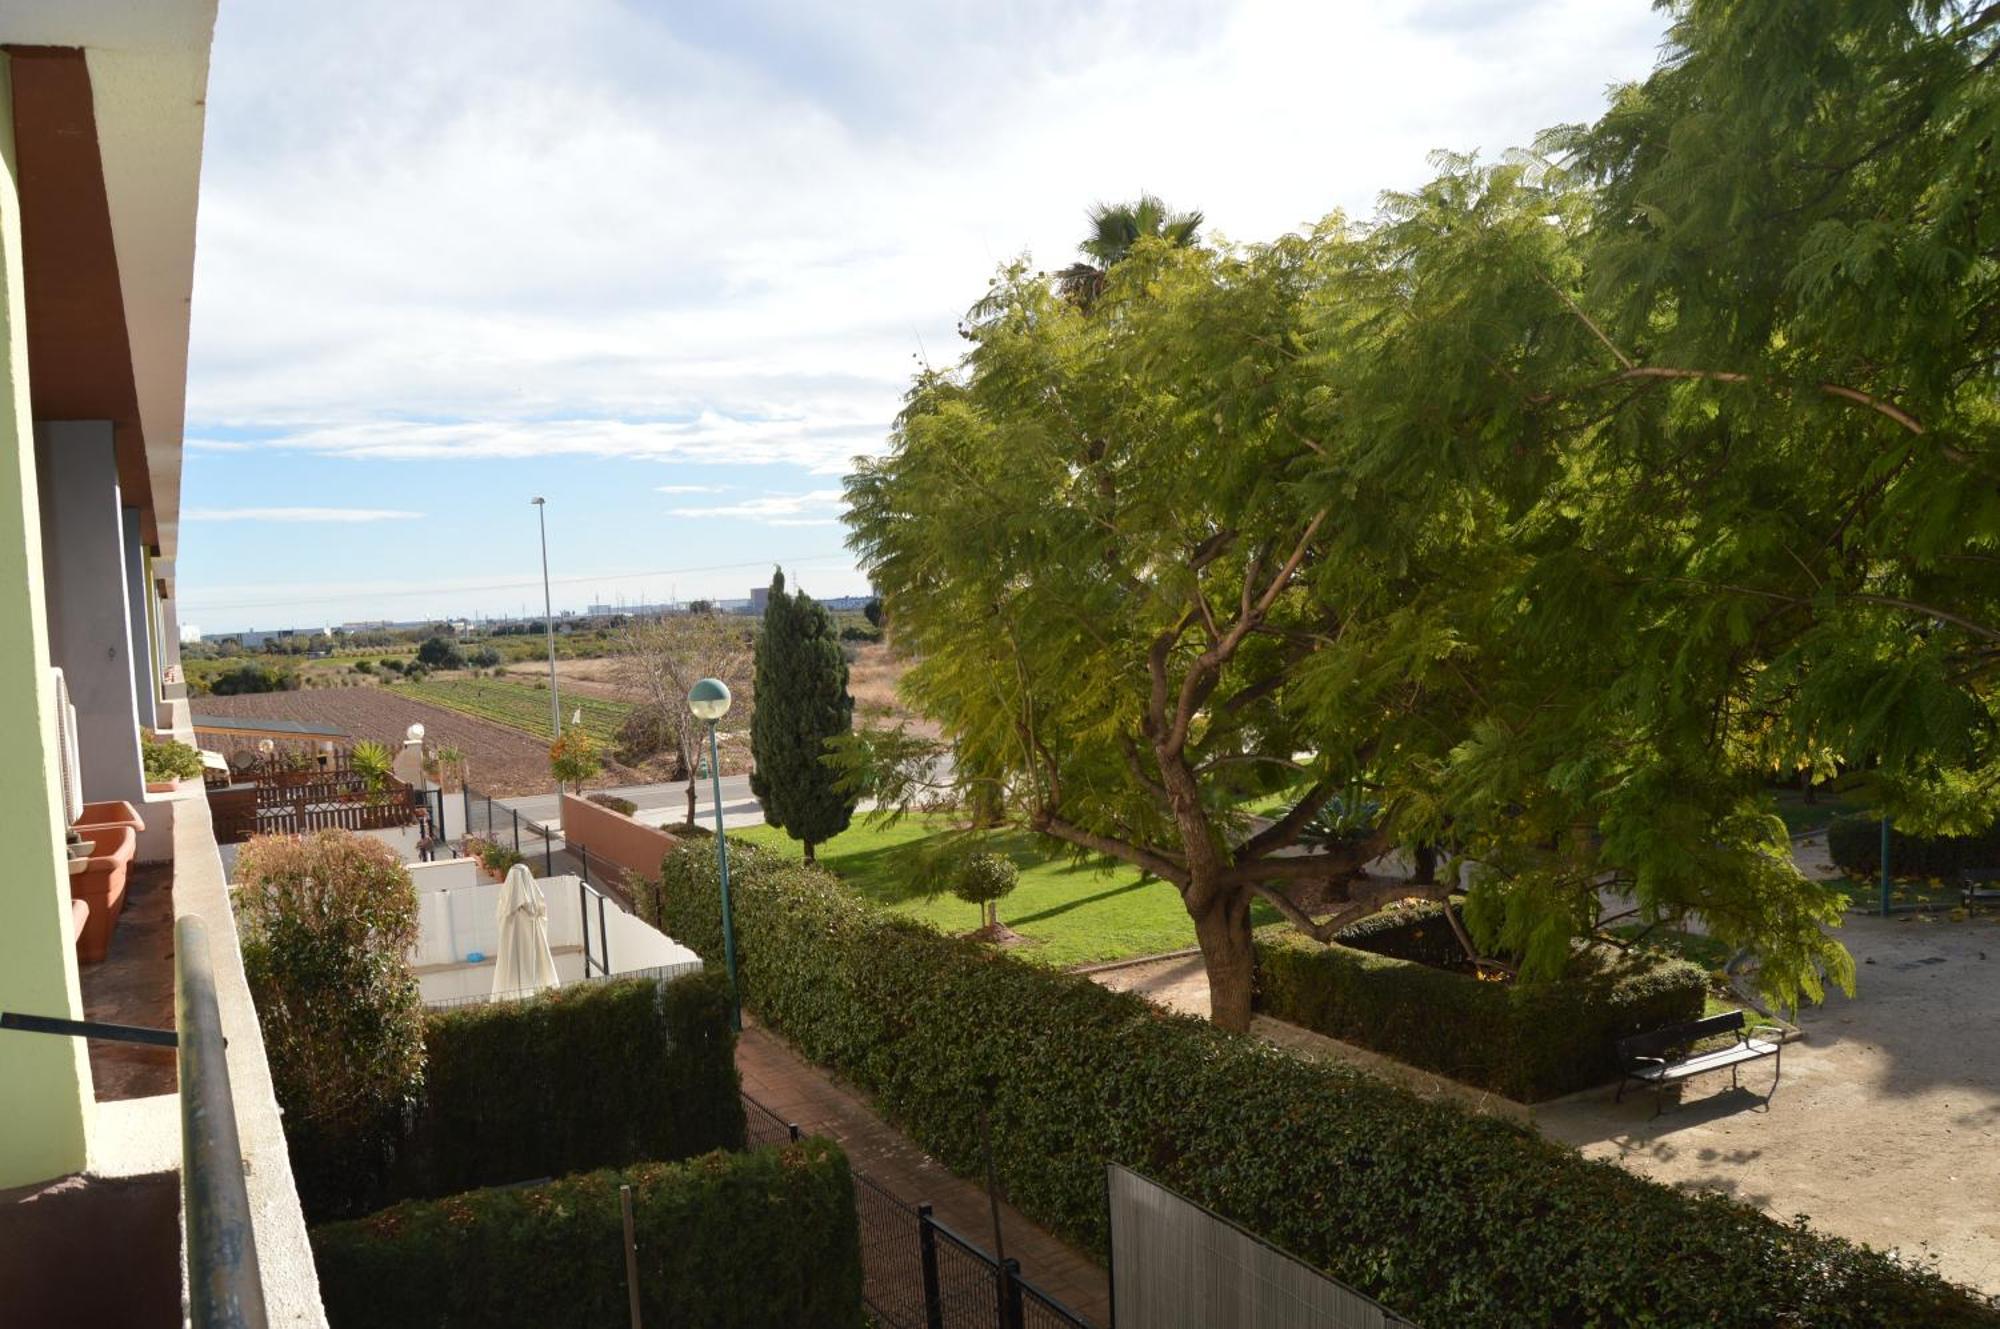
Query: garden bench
(1980, 884)
(1667, 1056)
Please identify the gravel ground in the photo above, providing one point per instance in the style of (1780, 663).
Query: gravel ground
(1884, 1129)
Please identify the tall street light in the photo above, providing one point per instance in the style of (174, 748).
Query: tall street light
(709, 700)
(548, 618)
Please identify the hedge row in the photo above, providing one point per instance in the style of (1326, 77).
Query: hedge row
(1450, 1218)
(1855, 844)
(1529, 1041)
(588, 1076)
(725, 1241)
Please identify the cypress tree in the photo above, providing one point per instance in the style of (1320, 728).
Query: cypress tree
(802, 702)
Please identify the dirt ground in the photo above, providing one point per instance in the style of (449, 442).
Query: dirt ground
(1885, 1125)
(589, 678)
(500, 760)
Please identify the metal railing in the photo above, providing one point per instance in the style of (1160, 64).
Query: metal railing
(585, 893)
(916, 1273)
(225, 1288)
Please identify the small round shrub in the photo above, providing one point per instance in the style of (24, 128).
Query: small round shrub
(623, 806)
(169, 759)
(985, 879)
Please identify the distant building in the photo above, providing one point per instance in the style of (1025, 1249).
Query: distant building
(189, 633)
(760, 598)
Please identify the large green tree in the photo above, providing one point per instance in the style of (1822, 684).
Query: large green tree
(1559, 510)
(802, 704)
(1114, 229)
(1136, 597)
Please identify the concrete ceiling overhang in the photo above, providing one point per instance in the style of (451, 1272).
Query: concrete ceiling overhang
(144, 67)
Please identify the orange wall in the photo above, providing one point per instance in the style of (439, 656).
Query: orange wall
(613, 838)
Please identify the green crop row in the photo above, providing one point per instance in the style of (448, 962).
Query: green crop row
(517, 705)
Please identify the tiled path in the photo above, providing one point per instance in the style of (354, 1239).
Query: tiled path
(134, 984)
(800, 1092)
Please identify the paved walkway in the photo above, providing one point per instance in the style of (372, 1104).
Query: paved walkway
(777, 1077)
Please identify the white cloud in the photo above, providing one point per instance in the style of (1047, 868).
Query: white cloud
(820, 507)
(688, 489)
(214, 445)
(297, 514)
(710, 233)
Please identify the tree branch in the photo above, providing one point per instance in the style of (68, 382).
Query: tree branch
(1286, 829)
(1158, 864)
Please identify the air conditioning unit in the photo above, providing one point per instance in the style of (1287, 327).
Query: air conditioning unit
(72, 765)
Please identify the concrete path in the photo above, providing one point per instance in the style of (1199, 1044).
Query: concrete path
(777, 1077)
(1885, 1128)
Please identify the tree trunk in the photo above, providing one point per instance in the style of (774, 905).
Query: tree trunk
(1223, 933)
(809, 852)
(690, 796)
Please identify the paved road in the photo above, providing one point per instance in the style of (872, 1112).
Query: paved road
(659, 802)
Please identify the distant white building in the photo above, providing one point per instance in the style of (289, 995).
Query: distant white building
(189, 633)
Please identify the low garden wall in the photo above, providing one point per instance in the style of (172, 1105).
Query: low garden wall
(1382, 989)
(725, 1241)
(589, 1076)
(1450, 1218)
(625, 847)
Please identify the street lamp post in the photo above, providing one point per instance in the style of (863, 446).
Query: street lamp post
(709, 700)
(548, 618)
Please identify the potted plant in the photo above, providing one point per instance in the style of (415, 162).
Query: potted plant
(167, 762)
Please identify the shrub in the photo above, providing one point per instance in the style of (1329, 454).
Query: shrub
(492, 855)
(168, 759)
(985, 879)
(595, 1075)
(1453, 1219)
(327, 924)
(248, 678)
(483, 656)
(1855, 844)
(392, 665)
(364, 666)
(437, 653)
(725, 1241)
(1529, 1041)
(623, 806)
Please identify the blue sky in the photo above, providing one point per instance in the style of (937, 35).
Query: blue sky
(671, 265)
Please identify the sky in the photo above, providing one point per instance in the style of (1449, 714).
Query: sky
(671, 266)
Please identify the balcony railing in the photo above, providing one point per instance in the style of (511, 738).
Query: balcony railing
(225, 1290)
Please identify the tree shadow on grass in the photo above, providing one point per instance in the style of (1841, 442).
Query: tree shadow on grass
(1082, 900)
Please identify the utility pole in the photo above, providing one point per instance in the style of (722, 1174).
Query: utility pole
(549, 618)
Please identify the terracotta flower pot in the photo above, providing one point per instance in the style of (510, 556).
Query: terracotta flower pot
(100, 884)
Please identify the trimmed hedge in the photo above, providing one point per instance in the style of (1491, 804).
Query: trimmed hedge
(725, 1241)
(1529, 1041)
(589, 1076)
(1450, 1218)
(1854, 842)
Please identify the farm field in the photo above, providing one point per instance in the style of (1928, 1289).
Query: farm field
(501, 760)
(517, 705)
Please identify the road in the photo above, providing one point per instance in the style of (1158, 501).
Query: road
(658, 803)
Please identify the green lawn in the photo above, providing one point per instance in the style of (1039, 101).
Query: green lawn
(1075, 913)
(1800, 816)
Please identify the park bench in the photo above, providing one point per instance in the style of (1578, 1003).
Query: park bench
(1980, 885)
(1670, 1055)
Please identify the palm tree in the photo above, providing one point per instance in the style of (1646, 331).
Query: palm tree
(1114, 229)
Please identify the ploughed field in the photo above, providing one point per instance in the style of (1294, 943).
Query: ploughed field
(502, 759)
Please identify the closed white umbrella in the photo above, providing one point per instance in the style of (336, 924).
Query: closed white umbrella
(523, 961)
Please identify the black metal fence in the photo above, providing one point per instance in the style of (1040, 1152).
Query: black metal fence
(916, 1273)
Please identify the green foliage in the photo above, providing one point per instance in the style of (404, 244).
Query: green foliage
(802, 703)
(1855, 844)
(1528, 1040)
(725, 1241)
(494, 856)
(983, 878)
(440, 653)
(523, 706)
(575, 757)
(1449, 1218)
(486, 657)
(392, 664)
(327, 923)
(373, 762)
(247, 678)
(593, 1075)
(623, 806)
(168, 759)
(364, 666)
